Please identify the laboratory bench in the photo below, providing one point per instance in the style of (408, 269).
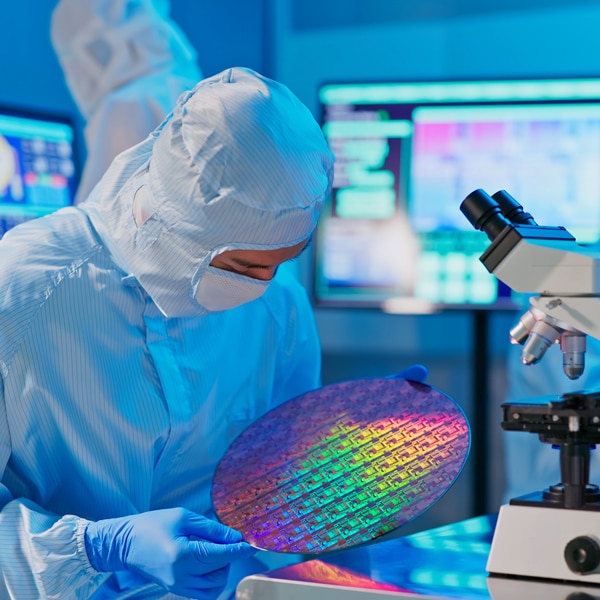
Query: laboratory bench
(448, 562)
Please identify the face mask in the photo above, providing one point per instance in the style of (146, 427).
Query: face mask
(219, 290)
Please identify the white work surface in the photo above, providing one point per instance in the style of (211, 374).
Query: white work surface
(439, 564)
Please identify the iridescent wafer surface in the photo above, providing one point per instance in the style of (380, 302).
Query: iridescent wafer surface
(341, 466)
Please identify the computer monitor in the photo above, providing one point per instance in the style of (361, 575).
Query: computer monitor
(38, 165)
(407, 153)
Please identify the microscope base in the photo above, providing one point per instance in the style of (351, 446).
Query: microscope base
(530, 541)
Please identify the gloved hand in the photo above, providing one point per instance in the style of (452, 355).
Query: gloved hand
(416, 373)
(182, 551)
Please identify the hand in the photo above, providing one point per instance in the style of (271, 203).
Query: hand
(179, 550)
(416, 373)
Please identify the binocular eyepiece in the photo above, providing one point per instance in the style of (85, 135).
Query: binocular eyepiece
(491, 214)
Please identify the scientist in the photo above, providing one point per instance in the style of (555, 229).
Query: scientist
(125, 62)
(140, 332)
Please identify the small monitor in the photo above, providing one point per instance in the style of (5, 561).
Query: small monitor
(38, 166)
(392, 235)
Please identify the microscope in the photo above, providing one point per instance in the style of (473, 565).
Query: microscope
(553, 534)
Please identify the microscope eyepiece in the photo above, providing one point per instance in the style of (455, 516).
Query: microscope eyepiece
(484, 213)
(511, 209)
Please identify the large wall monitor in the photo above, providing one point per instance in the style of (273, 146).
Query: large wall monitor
(407, 154)
(38, 173)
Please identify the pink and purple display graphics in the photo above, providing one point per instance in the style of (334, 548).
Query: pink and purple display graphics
(341, 465)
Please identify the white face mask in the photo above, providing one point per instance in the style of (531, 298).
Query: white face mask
(219, 290)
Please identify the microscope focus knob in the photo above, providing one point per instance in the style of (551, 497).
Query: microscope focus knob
(582, 554)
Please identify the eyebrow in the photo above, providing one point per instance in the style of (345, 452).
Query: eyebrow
(240, 262)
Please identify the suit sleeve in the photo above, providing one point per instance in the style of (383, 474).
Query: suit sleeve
(42, 555)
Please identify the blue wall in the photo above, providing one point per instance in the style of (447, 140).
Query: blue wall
(556, 41)
(31, 76)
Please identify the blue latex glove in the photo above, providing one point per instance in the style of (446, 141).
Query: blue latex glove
(179, 550)
(416, 373)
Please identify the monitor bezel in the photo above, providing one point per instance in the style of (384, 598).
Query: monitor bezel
(411, 305)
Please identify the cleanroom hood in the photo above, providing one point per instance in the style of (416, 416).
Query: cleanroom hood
(240, 163)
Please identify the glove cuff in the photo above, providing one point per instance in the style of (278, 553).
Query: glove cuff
(100, 546)
(92, 547)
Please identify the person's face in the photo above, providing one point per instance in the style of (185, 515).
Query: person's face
(257, 264)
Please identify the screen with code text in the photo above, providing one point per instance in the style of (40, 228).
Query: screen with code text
(392, 234)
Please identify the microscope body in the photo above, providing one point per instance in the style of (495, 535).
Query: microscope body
(554, 534)
(547, 262)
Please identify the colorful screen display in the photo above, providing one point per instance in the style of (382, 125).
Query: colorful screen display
(407, 154)
(38, 173)
(341, 465)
